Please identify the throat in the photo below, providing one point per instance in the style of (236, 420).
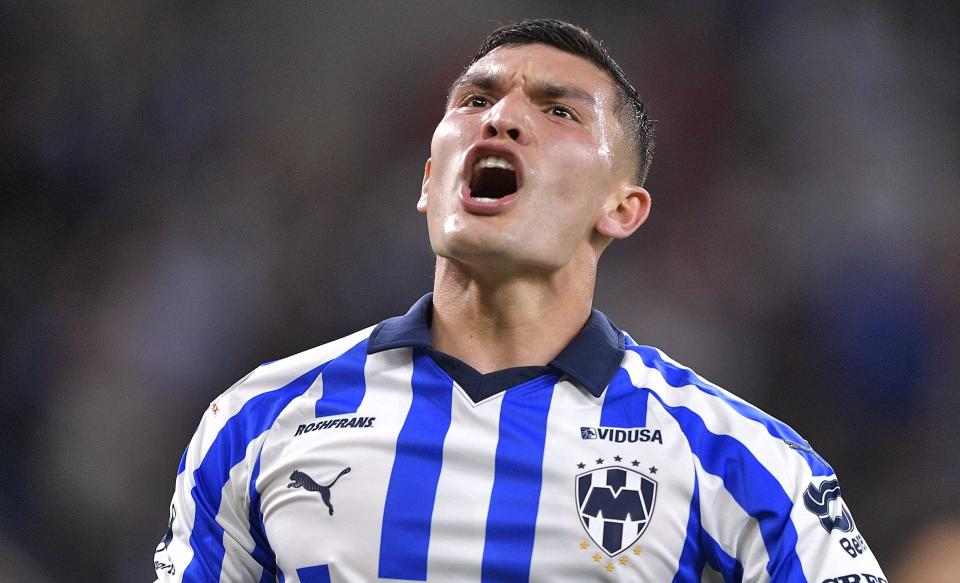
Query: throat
(494, 321)
(493, 183)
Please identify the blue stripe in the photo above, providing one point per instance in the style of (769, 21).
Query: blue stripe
(315, 574)
(700, 548)
(722, 563)
(262, 553)
(226, 451)
(408, 511)
(624, 405)
(518, 474)
(183, 460)
(343, 383)
(692, 560)
(677, 376)
(751, 485)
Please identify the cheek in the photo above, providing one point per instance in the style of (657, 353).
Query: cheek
(577, 172)
(580, 149)
(445, 145)
(578, 180)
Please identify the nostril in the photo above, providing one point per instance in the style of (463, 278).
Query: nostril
(513, 133)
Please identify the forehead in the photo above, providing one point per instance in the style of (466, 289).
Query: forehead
(542, 63)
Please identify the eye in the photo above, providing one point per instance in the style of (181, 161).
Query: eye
(474, 101)
(562, 111)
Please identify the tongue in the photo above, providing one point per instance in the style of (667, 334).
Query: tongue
(493, 183)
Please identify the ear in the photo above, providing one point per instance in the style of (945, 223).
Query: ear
(422, 203)
(624, 213)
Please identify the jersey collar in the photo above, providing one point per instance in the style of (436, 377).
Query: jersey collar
(591, 358)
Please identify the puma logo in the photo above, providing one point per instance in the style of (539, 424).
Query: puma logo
(301, 480)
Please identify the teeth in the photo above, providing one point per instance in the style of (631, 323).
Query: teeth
(493, 162)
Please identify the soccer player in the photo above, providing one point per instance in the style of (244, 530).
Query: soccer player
(502, 430)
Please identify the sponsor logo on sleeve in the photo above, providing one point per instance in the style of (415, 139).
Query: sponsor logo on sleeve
(166, 564)
(825, 502)
(855, 578)
(854, 546)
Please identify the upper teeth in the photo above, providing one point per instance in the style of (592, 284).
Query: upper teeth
(493, 162)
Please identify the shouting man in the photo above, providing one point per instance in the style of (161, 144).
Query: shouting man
(503, 430)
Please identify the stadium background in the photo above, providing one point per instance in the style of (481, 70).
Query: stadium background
(190, 189)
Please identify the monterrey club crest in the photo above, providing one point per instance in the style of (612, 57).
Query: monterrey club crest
(615, 505)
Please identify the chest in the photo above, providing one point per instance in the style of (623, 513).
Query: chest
(428, 486)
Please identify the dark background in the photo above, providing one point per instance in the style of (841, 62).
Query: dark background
(191, 189)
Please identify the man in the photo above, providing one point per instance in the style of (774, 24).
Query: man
(502, 430)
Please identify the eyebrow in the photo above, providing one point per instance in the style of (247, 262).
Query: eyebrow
(544, 89)
(479, 80)
(554, 91)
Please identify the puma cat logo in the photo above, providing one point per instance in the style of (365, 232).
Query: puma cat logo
(301, 480)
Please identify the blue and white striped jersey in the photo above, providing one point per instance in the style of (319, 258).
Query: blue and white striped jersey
(363, 460)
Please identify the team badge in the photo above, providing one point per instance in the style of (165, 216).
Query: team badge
(615, 505)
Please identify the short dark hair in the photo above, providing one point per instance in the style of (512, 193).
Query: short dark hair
(575, 40)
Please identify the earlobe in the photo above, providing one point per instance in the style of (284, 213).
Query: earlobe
(422, 203)
(624, 215)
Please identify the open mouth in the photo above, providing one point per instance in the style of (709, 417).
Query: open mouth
(493, 178)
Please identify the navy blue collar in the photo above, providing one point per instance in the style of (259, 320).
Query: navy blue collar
(591, 358)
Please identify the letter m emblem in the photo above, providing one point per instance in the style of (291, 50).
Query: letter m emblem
(615, 505)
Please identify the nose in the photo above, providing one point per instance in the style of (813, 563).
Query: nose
(508, 118)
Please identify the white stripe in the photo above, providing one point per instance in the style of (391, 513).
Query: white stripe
(737, 533)
(234, 516)
(557, 557)
(664, 538)
(464, 488)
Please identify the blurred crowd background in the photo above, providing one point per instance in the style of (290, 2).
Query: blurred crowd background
(190, 189)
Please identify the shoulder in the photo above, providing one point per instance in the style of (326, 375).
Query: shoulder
(766, 497)
(253, 404)
(714, 419)
(276, 380)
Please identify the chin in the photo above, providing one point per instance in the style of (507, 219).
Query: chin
(474, 249)
(478, 244)
(502, 258)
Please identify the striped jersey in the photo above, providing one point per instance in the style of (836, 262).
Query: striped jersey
(365, 460)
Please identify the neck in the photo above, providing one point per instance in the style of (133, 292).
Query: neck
(496, 323)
